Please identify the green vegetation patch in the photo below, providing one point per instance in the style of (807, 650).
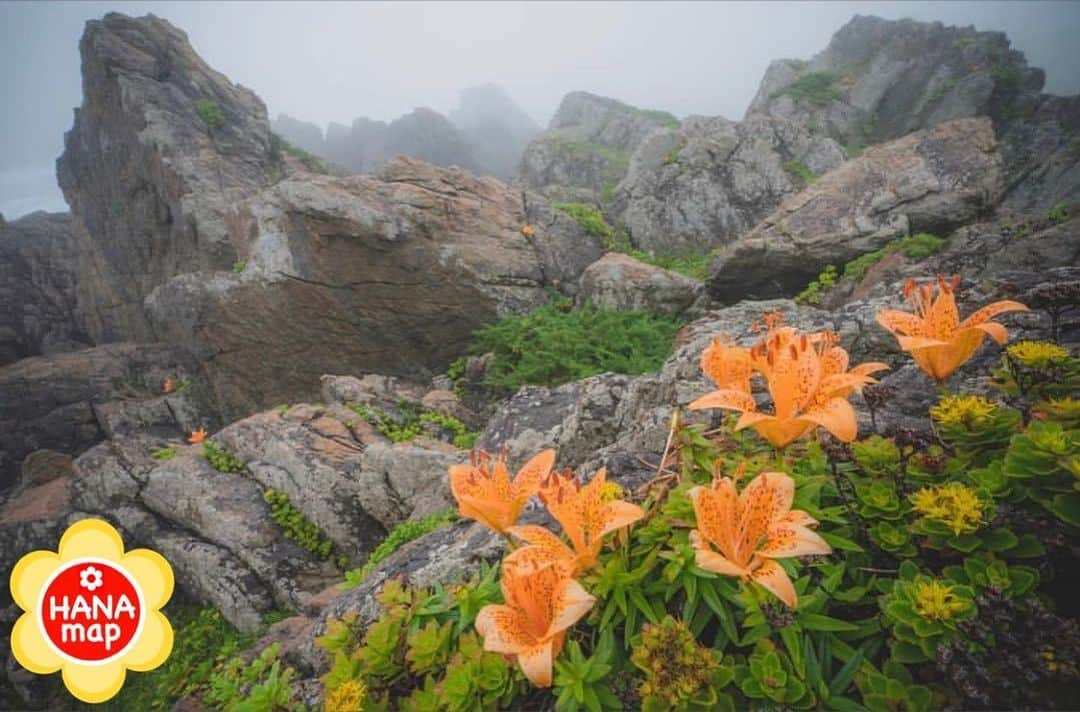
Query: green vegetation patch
(398, 537)
(210, 113)
(616, 161)
(694, 266)
(1059, 214)
(410, 422)
(824, 282)
(299, 528)
(556, 344)
(313, 163)
(799, 172)
(222, 460)
(165, 453)
(818, 88)
(917, 247)
(592, 221)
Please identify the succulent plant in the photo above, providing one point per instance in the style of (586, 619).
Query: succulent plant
(679, 672)
(924, 612)
(974, 425)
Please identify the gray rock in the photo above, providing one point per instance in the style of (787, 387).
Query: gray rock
(618, 281)
(931, 181)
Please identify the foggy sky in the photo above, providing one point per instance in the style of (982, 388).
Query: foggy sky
(337, 61)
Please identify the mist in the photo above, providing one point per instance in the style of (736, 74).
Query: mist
(334, 62)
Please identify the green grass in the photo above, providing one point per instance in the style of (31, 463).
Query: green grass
(818, 88)
(210, 113)
(556, 344)
(615, 160)
(799, 172)
(664, 118)
(694, 266)
(917, 247)
(591, 220)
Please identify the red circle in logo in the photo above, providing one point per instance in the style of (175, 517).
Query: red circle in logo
(90, 610)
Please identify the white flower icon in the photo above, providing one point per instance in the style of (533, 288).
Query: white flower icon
(90, 578)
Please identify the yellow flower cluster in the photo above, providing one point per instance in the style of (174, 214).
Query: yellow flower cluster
(1037, 354)
(347, 697)
(611, 491)
(953, 504)
(935, 601)
(962, 410)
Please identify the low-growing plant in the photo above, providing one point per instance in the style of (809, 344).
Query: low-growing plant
(239, 266)
(799, 172)
(818, 88)
(824, 282)
(411, 421)
(299, 528)
(399, 536)
(550, 345)
(1059, 213)
(263, 685)
(309, 160)
(693, 266)
(918, 246)
(221, 459)
(165, 453)
(210, 113)
(591, 220)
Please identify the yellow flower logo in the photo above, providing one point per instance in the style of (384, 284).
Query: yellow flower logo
(91, 610)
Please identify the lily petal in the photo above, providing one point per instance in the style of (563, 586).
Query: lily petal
(791, 540)
(772, 576)
(503, 629)
(996, 331)
(535, 471)
(901, 323)
(835, 415)
(730, 399)
(536, 664)
(717, 563)
(569, 604)
(618, 514)
(992, 310)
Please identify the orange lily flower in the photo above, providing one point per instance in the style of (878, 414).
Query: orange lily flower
(585, 518)
(528, 230)
(751, 530)
(541, 604)
(168, 386)
(728, 365)
(808, 378)
(197, 436)
(484, 492)
(934, 335)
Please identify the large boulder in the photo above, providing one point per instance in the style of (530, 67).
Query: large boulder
(618, 281)
(703, 184)
(930, 181)
(880, 79)
(263, 274)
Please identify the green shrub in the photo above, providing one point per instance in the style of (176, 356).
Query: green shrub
(799, 172)
(210, 113)
(591, 220)
(399, 536)
(239, 266)
(824, 282)
(297, 527)
(918, 246)
(410, 422)
(1059, 214)
(263, 685)
(552, 345)
(221, 459)
(819, 88)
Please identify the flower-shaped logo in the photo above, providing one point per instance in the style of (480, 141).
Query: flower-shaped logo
(91, 610)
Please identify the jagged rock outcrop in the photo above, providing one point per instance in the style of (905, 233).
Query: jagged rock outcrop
(1041, 148)
(880, 79)
(70, 401)
(618, 281)
(496, 128)
(931, 181)
(262, 274)
(39, 258)
(696, 187)
(160, 150)
(586, 150)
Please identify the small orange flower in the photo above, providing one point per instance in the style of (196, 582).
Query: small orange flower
(168, 386)
(541, 603)
(807, 376)
(484, 492)
(934, 335)
(751, 530)
(197, 436)
(585, 518)
(528, 231)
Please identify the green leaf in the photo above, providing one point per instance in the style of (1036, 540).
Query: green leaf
(816, 621)
(839, 542)
(1067, 508)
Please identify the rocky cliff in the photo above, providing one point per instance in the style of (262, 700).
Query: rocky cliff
(495, 127)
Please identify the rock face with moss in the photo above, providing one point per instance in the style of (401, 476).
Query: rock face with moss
(932, 181)
(585, 152)
(880, 79)
(698, 186)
